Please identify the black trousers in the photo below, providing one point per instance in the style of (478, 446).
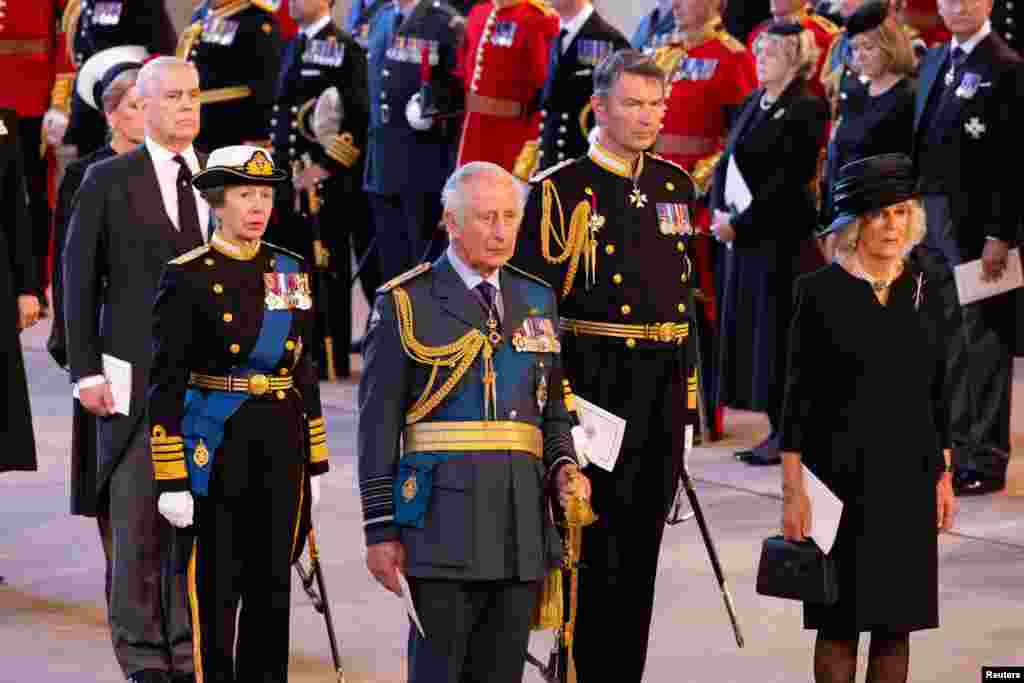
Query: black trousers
(247, 530)
(30, 132)
(982, 361)
(477, 631)
(407, 230)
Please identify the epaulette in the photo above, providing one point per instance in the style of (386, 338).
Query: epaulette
(403, 278)
(270, 6)
(824, 23)
(543, 7)
(547, 172)
(729, 41)
(189, 256)
(230, 9)
(69, 25)
(520, 271)
(288, 252)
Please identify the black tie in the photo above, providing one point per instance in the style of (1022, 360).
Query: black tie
(486, 293)
(188, 213)
(399, 18)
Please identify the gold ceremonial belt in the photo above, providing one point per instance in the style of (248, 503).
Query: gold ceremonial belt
(234, 92)
(254, 385)
(493, 106)
(665, 333)
(496, 435)
(22, 47)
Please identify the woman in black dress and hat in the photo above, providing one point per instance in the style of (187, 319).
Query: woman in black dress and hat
(774, 146)
(867, 411)
(882, 122)
(238, 434)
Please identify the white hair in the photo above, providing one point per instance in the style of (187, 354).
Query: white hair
(153, 71)
(453, 196)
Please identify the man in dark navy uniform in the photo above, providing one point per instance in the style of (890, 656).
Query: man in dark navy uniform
(659, 22)
(318, 132)
(411, 149)
(236, 46)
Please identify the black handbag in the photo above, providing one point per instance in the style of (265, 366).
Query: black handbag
(797, 571)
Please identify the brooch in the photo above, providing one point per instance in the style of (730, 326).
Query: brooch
(975, 128)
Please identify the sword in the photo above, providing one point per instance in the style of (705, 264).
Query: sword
(318, 596)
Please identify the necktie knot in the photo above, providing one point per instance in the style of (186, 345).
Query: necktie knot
(958, 56)
(184, 172)
(486, 292)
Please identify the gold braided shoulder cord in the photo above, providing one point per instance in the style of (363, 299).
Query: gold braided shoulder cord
(573, 244)
(459, 355)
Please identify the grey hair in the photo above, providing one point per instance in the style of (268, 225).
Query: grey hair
(152, 71)
(453, 196)
(849, 236)
(626, 61)
(801, 49)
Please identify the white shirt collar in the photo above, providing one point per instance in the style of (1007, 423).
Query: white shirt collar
(162, 155)
(972, 42)
(469, 276)
(574, 25)
(316, 26)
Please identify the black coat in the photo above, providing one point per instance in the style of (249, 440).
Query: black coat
(867, 408)
(984, 200)
(17, 277)
(119, 240)
(759, 270)
(83, 424)
(570, 84)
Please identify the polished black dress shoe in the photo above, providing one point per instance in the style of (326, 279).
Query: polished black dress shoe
(975, 485)
(765, 453)
(150, 676)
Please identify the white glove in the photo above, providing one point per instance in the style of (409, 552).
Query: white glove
(414, 114)
(55, 125)
(581, 441)
(177, 507)
(314, 491)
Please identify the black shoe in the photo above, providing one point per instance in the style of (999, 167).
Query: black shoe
(764, 453)
(150, 676)
(969, 484)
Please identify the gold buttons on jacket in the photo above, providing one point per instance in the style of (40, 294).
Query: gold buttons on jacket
(228, 317)
(609, 249)
(670, 186)
(681, 308)
(631, 343)
(683, 278)
(235, 348)
(273, 262)
(290, 345)
(617, 279)
(626, 309)
(680, 247)
(208, 261)
(280, 395)
(283, 372)
(218, 288)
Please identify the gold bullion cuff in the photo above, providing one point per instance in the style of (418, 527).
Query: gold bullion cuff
(317, 441)
(526, 162)
(704, 171)
(495, 435)
(664, 333)
(228, 94)
(168, 454)
(691, 391)
(60, 95)
(343, 150)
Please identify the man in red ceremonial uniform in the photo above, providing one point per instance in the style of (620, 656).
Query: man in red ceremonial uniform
(710, 73)
(503, 63)
(28, 53)
(798, 12)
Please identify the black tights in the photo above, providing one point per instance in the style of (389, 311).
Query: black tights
(835, 658)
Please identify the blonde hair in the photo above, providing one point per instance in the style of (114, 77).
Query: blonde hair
(896, 45)
(801, 50)
(849, 236)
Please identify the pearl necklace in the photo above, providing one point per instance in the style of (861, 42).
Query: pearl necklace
(877, 284)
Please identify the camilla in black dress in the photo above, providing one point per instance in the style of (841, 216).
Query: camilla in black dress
(867, 411)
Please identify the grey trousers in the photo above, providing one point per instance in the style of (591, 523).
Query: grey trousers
(146, 598)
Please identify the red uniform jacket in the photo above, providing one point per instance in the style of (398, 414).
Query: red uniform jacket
(503, 63)
(824, 32)
(28, 46)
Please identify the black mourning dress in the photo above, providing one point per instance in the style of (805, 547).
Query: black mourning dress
(884, 124)
(867, 407)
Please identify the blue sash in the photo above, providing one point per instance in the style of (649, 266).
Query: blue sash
(206, 412)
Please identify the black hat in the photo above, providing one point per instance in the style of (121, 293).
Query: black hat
(869, 184)
(781, 27)
(868, 17)
(238, 165)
